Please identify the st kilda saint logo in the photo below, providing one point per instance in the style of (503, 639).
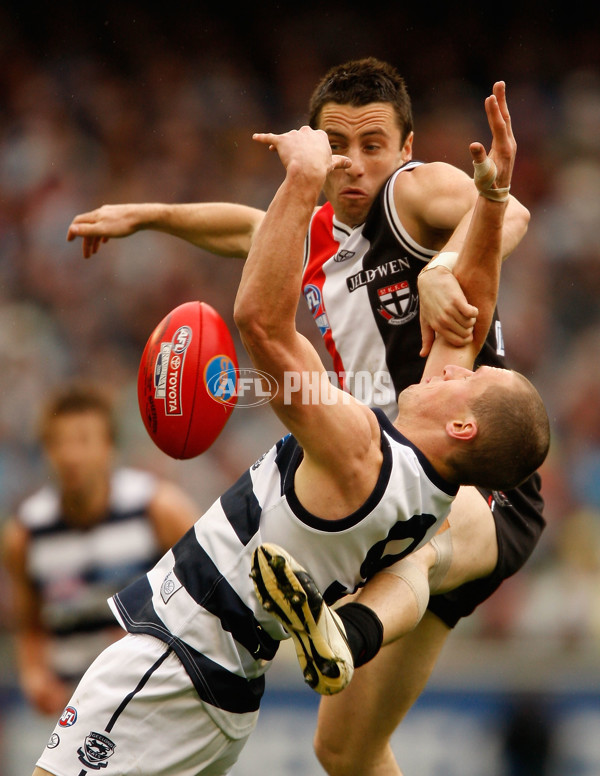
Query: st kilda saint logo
(397, 304)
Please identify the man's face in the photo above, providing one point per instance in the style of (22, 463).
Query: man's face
(370, 136)
(453, 391)
(79, 450)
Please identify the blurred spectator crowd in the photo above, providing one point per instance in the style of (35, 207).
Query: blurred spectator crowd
(123, 106)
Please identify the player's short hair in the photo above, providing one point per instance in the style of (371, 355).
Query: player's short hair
(75, 399)
(512, 440)
(361, 82)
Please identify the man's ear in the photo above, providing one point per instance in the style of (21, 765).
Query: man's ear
(406, 150)
(462, 429)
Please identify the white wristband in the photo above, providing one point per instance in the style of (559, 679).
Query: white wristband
(445, 259)
(484, 177)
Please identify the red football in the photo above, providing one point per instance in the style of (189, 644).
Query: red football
(187, 380)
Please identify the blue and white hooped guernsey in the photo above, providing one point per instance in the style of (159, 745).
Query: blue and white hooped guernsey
(199, 598)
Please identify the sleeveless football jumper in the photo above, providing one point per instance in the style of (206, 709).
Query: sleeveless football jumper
(199, 599)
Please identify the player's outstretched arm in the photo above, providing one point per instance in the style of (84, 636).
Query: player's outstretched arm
(444, 309)
(480, 258)
(223, 228)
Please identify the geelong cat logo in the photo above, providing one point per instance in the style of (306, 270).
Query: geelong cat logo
(96, 749)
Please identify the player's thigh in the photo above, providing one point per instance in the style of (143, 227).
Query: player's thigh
(136, 710)
(356, 724)
(474, 540)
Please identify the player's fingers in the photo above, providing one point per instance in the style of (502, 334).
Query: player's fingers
(462, 327)
(478, 152)
(462, 330)
(457, 325)
(499, 91)
(466, 313)
(74, 228)
(457, 340)
(338, 161)
(265, 137)
(86, 247)
(427, 337)
(91, 244)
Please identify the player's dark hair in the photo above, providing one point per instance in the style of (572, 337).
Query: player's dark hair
(76, 399)
(361, 82)
(512, 440)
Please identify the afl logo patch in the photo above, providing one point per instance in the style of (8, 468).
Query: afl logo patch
(314, 300)
(69, 717)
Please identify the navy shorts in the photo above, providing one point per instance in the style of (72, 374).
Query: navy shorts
(519, 524)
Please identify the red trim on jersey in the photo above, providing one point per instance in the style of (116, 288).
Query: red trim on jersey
(322, 247)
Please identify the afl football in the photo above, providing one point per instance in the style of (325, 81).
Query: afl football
(187, 380)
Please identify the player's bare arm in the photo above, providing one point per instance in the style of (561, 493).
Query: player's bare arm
(443, 308)
(443, 198)
(480, 258)
(42, 688)
(223, 228)
(171, 513)
(332, 427)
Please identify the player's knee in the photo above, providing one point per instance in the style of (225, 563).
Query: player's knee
(328, 753)
(337, 757)
(344, 759)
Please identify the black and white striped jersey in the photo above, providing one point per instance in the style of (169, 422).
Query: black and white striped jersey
(75, 569)
(360, 285)
(200, 600)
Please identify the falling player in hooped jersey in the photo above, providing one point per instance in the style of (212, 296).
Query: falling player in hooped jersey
(180, 692)
(367, 317)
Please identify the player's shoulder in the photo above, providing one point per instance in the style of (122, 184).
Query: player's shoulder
(422, 189)
(132, 488)
(40, 509)
(426, 173)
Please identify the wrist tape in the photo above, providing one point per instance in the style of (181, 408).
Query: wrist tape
(484, 177)
(445, 259)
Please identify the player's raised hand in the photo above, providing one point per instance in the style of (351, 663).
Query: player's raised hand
(493, 171)
(307, 148)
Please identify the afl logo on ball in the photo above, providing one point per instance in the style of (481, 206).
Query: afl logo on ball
(182, 338)
(168, 370)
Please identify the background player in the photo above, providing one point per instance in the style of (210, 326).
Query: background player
(79, 539)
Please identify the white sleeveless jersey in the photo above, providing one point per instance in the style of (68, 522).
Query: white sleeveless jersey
(360, 285)
(200, 600)
(75, 569)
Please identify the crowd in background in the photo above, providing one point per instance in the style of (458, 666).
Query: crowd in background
(114, 104)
